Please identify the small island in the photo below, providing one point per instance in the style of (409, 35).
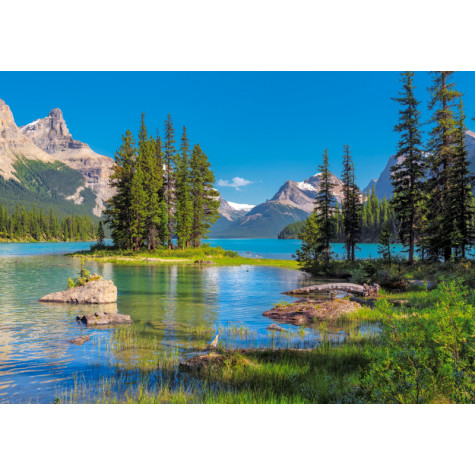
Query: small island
(87, 288)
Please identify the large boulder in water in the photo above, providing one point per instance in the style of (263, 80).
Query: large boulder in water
(96, 291)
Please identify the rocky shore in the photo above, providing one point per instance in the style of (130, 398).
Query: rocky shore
(308, 311)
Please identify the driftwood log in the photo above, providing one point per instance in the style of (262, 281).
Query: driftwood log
(365, 290)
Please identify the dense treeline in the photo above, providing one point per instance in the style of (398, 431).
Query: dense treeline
(161, 194)
(35, 225)
(432, 208)
(374, 214)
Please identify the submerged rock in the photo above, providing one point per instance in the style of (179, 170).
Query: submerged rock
(80, 340)
(104, 318)
(97, 291)
(204, 263)
(275, 328)
(308, 311)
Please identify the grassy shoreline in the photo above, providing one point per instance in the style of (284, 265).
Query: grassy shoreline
(217, 255)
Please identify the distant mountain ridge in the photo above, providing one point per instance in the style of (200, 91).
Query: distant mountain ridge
(294, 201)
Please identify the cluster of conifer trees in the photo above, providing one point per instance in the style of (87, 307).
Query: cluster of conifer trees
(432, 208)
(35, 225)
(375, 213)
(161, 194)
(432, 183)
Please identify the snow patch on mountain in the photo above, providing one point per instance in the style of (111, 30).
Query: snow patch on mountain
(306, 186)
(240, 206)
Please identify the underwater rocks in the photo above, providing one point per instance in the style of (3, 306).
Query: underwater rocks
(308, 311)
(275, 328)
(97, 291)
(104, 318)
(80, 340)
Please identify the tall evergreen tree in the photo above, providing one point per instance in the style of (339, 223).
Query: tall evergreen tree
(460, 191)
(100, 234)
(118, 211)
(152, 185)
(407, 175)
(163, 229)
(205, 199)
(170, 164)
(439, 232)
(137, 207)
(385, 241)
(322, 222)
(325, 204)
(351, 206)
(184, 211)
(308, 254)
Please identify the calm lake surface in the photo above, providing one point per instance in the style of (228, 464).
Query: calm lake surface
(36, 360)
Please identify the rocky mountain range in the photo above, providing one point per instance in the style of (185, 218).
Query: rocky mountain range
(382, 184)
(52, 135)
(13, 144)
(41, 164)
(293, 201)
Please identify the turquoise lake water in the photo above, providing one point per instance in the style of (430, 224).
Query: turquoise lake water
(266, 248)
(36, 360)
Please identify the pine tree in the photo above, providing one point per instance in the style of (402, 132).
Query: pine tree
(325, 205)
(137, 207)
(151, 185)
(407, 175)
(309, 253)
(322, 222)
(205, 199)
(118, 211)
(100, 234)
(184, 211)
(170, 164)
(442, 153)
(385, 241)
(162, 203)
(460, 191)
(351, 206)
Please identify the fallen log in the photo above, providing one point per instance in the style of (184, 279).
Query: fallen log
(365, 290)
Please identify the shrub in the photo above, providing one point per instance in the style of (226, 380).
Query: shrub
(84, 276)
(427, 357)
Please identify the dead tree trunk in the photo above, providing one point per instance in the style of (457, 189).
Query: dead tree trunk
(365, 290)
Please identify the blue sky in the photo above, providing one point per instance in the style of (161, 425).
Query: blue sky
(258, 129)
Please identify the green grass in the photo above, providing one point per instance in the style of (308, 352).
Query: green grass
(323, 375)
(141, 370)
(219, 256)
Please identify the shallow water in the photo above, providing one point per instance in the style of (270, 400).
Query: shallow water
(36, 360)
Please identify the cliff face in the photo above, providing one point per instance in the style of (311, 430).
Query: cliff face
(52, 135)
(14, 145)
